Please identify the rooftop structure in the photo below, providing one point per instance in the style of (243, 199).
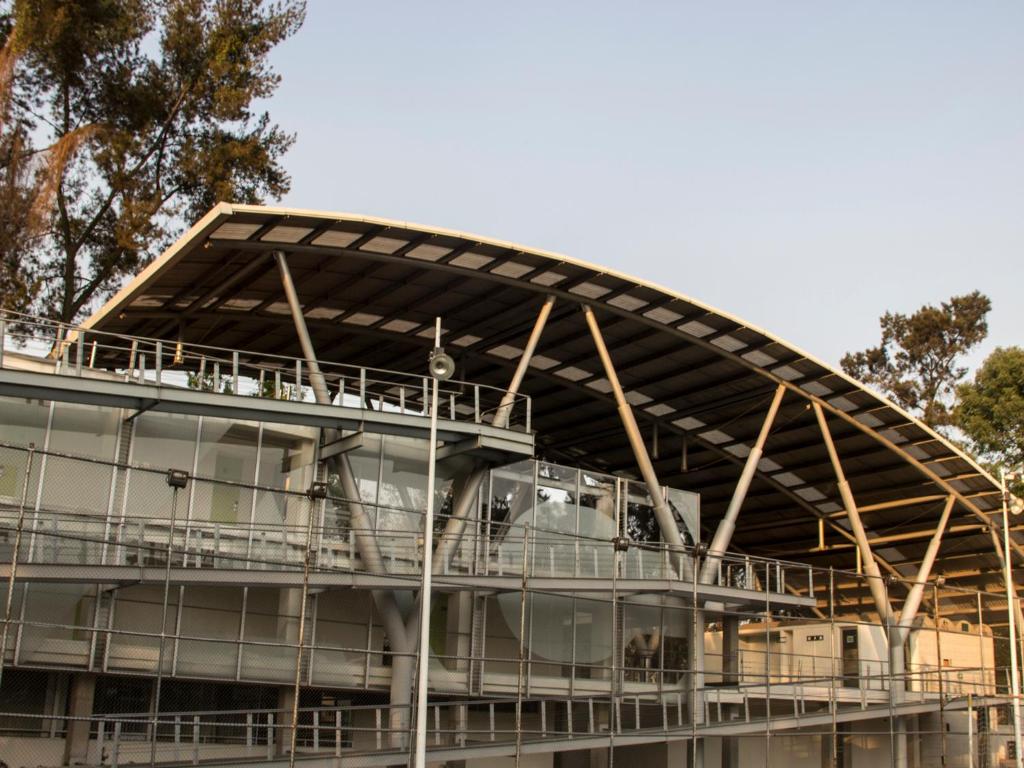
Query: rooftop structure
(661, 534)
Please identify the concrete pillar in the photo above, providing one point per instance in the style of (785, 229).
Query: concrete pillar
(730, 676)
(283, 719)
(730, 650)
(289, 604)
(80, 701)
(897, 664)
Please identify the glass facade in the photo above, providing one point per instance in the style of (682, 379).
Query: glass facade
(245, 507)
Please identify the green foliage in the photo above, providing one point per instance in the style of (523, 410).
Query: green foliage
(917, 363)
(159, 99)
(991, 408)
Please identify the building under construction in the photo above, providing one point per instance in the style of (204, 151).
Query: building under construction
(654, 534)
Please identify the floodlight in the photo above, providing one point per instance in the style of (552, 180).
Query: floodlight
(442, 367)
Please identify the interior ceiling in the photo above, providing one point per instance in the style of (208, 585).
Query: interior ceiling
(700, 381)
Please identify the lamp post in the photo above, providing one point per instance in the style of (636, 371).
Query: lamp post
(441, 369)
(1011, 618)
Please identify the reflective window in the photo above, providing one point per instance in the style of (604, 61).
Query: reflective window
(512, 498)
(73, 484)
(271, 616)
(137, 610)
(68, 610)
(286, 462)
(24, 424)
(556, 549)
(210, 612)
(340, 624)
(642, 638)
(593, 638)
(227, 455)
(164, 440)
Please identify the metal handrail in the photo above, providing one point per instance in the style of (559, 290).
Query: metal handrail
(74, 350)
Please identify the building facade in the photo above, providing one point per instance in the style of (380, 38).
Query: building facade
(659, 534)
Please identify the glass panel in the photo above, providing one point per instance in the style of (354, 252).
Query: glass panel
(340, 633)
(678, 625)
(213, 612)
(597, 522)
(24, 420)
(27, 693)
(685, 505)
(641, 526)
(286, 462)
(137, 611)
(556, 549)
(511, 507)
(403, 491)
(593, 638)
(24, 424)
(164, 440)
(271, 616)
(74, 485)
(551, 641)
(69, 609)
(502, 641)
(227, 453)
(642, 637)
(365, 464)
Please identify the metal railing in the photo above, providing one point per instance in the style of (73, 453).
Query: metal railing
(138, 532)
(248, 736)
(72, 350)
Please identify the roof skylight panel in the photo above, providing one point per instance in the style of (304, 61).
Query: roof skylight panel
(284, 233)
(336, 238)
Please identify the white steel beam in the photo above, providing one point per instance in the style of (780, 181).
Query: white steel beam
(666, 520)
(910, 606)
(464, 504)
(870, 566)
(316, 379)
(723, 534)
(387, 606)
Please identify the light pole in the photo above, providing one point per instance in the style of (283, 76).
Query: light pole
(441, 369)
(1011, 619)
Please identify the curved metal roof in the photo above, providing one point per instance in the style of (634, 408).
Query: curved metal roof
(699, 379)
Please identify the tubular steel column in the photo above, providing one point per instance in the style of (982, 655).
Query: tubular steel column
(391, 615)
(723, 535)
(501, 416)
(869, 564)
(666, 520)
(316, 379)
(456, 525)
(913, 601)
(899, 631)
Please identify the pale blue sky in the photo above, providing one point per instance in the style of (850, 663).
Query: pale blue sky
(804, 165)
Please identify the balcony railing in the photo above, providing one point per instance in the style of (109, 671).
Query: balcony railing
(70, 350)
(139, 532)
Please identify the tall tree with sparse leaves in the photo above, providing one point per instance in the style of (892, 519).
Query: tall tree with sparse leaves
(159, 99)
(918, 363)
